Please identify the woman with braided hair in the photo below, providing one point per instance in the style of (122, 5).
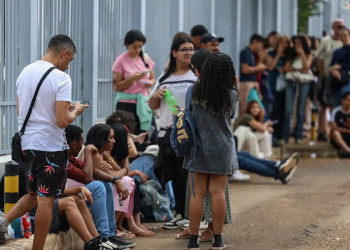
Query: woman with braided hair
(214, 103)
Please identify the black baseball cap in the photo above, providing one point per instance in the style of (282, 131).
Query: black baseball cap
(209, 37)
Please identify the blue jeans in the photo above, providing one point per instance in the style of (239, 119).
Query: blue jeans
(300, 114)
(337, 94)
(257, 166)
(144, 163)
(102, 208)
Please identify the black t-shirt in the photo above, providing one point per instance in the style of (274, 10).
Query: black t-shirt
(340, 117)
(247, 56)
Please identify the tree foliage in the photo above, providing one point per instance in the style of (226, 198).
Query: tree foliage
(306, 9)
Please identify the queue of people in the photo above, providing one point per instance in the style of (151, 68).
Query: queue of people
(285, 76)
(97, 183)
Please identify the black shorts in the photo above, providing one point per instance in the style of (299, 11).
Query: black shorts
(45, 172)
(59, 222)
(346, 138)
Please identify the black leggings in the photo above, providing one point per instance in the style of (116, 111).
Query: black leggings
(169, 167)
(137, 198)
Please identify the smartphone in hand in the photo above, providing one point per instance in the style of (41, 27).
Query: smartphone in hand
(149, 134)
(85, 102)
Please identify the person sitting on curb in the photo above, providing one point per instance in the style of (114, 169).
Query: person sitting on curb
(80, 173)
(340, 126)
(67, 211)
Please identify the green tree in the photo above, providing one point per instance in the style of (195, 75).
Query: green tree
(306, 9)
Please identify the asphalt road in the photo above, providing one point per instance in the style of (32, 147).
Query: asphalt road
(311, 212)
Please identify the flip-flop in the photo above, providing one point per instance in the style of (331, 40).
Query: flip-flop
(180, 237)
(143, 234)
(205, 239)
(126, 235)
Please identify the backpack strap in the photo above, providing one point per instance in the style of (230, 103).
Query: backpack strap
(188, 99)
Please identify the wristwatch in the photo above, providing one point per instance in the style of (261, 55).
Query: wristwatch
(115, 178)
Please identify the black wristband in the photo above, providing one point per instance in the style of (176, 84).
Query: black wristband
(115, 178)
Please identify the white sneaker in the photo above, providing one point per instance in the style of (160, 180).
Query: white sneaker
(175, 223)
(202, 226)
(239, 176)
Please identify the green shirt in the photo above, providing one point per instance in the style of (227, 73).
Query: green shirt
(243, 120)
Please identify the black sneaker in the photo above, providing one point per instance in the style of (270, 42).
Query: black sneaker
(288, 164)
(113, 245)
(218, 244)
(321, 137)
(285, 178)
(343, 154)
(175, 223)
(193, 243)
(96, 244)
(121, 242)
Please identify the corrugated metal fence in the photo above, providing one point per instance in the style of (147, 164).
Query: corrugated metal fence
(98, 28)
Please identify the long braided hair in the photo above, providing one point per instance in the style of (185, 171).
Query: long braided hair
(212, 91)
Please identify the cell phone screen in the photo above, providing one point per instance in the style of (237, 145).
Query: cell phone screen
(149, 134)
(85, 102)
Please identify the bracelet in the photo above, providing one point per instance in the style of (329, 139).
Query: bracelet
(115, 179)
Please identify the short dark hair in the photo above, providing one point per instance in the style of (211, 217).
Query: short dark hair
(98, 135)
(73, 133)
(198, 30)
(134, 35)
(61, 42)
(272, 33)
(199, 57)
(123, 117)
(345, 95)
(344, 28)
(256, 37)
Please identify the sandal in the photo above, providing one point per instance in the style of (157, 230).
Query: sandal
(126, 235)
(144, 234)
(204, 238)
(185, 234)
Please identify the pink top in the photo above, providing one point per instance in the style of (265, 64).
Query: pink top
(127, 66)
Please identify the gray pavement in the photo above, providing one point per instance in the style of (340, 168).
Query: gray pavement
(269, 215)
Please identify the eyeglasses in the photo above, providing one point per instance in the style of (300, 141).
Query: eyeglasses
(340, 26)
(187, 50)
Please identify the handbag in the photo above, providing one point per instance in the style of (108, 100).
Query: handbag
(16, 146)
(338, 83)
(281, 83)
(297, 76)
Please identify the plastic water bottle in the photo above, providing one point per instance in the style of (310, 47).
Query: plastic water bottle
(170, 101)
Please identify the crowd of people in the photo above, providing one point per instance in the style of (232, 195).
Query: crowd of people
(95, 184)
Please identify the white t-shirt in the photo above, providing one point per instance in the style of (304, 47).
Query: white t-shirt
(42, 132)
(177, 85)
(326, 49)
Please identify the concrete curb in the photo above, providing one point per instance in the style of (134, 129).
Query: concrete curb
(61, 241)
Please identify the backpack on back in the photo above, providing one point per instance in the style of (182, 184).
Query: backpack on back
(183, 137)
